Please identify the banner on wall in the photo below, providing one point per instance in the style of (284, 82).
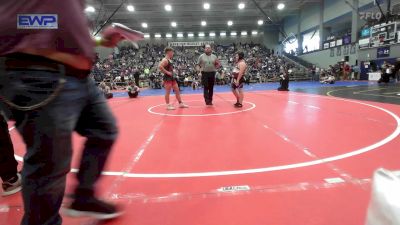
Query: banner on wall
(339, 42)
(363, 43)
(190, 44)
(346, 39)
(383, 52)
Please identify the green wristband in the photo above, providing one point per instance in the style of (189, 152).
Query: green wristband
(98, 42)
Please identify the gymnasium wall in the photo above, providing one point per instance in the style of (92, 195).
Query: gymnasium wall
(309, 17)
(323, 58)
(310, 14)
(334, 11)
(335, 8)
(271, 38)
(370, 53)
(290, 24)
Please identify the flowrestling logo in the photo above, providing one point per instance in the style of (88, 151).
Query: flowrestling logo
(370, 15)
(37, 21)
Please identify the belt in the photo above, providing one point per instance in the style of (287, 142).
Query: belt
(20, 61)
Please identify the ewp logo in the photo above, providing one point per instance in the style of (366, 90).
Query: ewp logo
(37, 21)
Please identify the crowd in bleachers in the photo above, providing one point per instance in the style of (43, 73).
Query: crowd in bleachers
(141, 65)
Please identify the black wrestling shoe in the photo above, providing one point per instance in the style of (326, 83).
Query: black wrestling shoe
(238, 105)
(92, 207)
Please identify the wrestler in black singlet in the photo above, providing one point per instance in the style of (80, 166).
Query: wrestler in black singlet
(235, 75)
(170, 68)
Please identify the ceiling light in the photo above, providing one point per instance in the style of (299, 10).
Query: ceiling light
(254, 32)
(130, 8)
(212, 34)
(168, 7)
(179, 35)
(203, 23)
(230, 23)
(244, 33)
(206, 6)
(241, 5)
(146, 35)
(90, 9)
(173, 24)
(190, 35)
(222, 34)
(168, 35)
(260, 22)
(157, 35)
(281, 6)
(144, 25)
(201, 34)
(233, 33)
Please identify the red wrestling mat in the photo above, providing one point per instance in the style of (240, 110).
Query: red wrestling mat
(284, 158)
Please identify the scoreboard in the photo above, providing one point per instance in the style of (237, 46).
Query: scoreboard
(383, 34)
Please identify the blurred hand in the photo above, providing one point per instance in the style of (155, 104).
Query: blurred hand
(217, 64)
(111, 40)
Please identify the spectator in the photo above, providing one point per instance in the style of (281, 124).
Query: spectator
(133, 90)
(346, 71)
(106, 90)
(327, 79)
(136, 75)
(8, 165)
(284, 81)
(263, 66)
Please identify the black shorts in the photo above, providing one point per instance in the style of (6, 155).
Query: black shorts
(168, 78)
(133, 94)
(240, 86)
(108, 95)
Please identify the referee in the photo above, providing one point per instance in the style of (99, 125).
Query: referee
(207, 65)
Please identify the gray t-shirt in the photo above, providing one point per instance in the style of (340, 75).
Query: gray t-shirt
(207, 62)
